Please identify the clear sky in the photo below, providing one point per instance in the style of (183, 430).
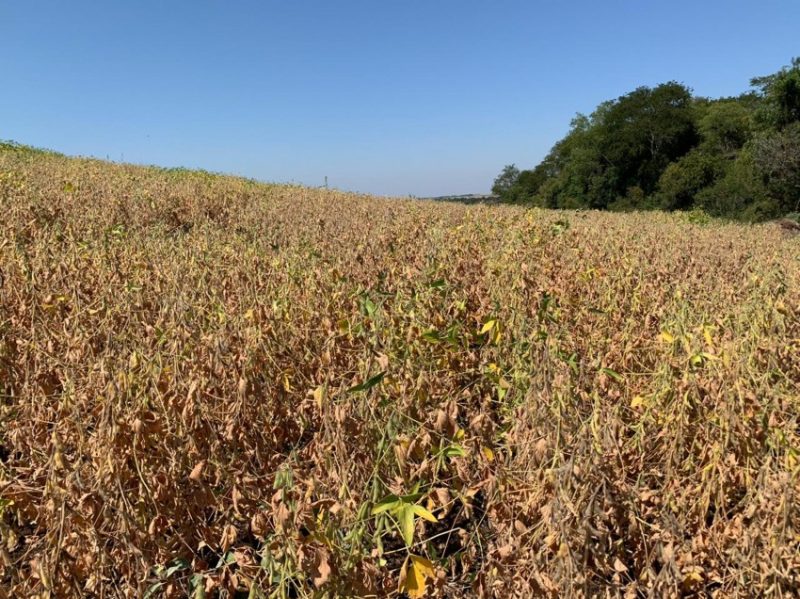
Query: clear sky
(391, 97)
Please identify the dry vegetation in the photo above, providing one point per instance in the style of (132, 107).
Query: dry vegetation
(217, 388)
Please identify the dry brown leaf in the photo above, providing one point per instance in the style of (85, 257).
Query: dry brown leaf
(228, 538)
(505, 551)
(322, 568)
(259, 525)
(197, 472)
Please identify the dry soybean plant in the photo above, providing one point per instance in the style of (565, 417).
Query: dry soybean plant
(212, 387)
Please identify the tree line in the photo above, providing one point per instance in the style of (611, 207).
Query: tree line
(663, 148)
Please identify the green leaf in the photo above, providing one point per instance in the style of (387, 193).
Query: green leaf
(613, 374)
(454, 451)
(177, 565)
(386, 504)
(368, 384)
(432, 335)
(412, 497)
(197, 582)
(406, 516)
(151, 592)
(368, 306)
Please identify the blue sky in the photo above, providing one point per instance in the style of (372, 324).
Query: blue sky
(390, 97)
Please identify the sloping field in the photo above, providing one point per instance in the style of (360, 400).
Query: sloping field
(217, 388)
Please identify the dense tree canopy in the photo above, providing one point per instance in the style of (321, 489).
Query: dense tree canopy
(661, 147)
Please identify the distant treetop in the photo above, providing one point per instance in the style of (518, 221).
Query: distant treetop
(663, 148)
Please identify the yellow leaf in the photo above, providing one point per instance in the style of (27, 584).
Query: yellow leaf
(487, 451)
(418, 570)
(488, 326)
(318, 394)
(637, 401)
(563, 550)
(791, 461)
(58, 460)
(423, 513)
(666, 337)
(707, 335)
(693, 578)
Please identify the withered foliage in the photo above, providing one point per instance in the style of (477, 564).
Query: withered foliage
(215, 388)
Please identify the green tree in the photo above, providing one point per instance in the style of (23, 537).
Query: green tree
(725, 126)
(683, 179)
(505, 181)
(659, 147)
(642, 132)
(527, 185)
(625, 144)
(739, 193)
(776, 156)
(781, 93)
